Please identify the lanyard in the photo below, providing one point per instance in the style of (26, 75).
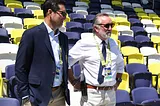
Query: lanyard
(108, 57)
(60, 53)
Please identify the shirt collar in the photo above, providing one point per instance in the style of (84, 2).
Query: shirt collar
(100, 41)
(50, 31)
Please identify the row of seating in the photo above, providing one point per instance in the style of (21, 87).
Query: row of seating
(135, 75)
(141, 96)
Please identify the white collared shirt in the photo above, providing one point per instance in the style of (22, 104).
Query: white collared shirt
(85, 51)
(56, 51)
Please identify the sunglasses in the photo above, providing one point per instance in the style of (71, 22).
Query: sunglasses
(108, 25)
(64, 14)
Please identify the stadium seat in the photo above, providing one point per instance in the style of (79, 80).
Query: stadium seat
(33, 7)
(38, 14)
(154, 69)
(128, 50)
(154, 58)
(73, 37)
(10, 19)
(141, 38)
(10, 26)
(74, 27)
(77, 17)
(87, 27)
(5, 11)
(9, 102)
(152, 102)
(135, 58)
(26, 3)
(4, 37)
(9, 72)
(31, 22)
(124, 85)
(123, 98)
(127, 33)
(16, 35)
(89, 18)
(134, 68)
(8, 52)
(23, 13)
(142, 94)
(1, 85)
(142, 79)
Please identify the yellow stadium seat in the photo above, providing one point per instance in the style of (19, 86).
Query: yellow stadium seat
(87, 1)
(128, 50)
(38, 14)
(157, 23)
(124, 85)
(135, 58)
(31, 22)
(155, 18)
(154, 69)
(114, 34)
(144, 17)
(122, 21)
(117, 3)
(1, 85)
(158, 86)
(12, 1)
(16, 34)
(155, 40)
(152, 15)
(39, 1)
(139, 10)
(66, 20)
(158, 47)
(142, 14)
(14, 5)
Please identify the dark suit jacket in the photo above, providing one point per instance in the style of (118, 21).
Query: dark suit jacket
(35, 65)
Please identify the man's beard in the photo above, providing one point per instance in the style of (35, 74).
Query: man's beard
(106, 34)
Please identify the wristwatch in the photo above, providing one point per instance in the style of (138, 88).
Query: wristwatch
(119, 80)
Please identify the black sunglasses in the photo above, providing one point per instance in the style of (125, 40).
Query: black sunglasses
(108, 25)
(64, 14)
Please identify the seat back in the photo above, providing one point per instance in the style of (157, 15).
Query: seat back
(143, 93)
(142, 79)
(9, 102)
(122, 96)
(124, 85)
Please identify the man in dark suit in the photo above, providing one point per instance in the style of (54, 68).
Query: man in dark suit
(42, 60)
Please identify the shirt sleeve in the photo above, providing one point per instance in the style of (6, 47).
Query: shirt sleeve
(75, 53)
(120, 62)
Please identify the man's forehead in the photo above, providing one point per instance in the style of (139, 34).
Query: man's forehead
(62, 7)
(106, 18)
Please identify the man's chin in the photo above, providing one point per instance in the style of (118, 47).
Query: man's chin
(106, 37)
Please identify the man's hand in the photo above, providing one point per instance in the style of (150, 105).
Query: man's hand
(75, 82)
(116, 86)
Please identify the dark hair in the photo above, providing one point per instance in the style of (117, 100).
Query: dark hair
(52, 4)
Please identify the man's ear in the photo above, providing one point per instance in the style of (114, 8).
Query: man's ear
(49, 11)
(95, 28)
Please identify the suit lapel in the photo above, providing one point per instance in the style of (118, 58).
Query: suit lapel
(47, 40)
(48, 45)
